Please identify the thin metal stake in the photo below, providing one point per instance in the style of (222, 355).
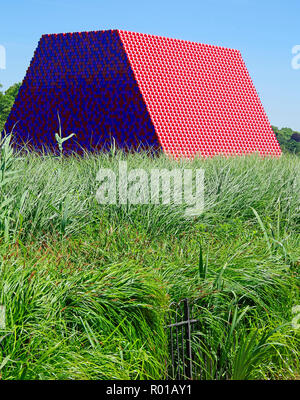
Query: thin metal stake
(189, 364)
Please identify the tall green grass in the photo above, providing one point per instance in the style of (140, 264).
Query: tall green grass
(86, 286)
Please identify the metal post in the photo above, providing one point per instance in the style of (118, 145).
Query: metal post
(188, 339)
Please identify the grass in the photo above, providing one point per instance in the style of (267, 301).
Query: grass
(86, 286)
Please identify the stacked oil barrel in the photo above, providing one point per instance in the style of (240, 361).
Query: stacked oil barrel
(140, 90)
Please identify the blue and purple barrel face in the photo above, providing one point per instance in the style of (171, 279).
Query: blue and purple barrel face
(87, 79)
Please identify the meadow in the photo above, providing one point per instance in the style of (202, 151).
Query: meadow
(86, 287)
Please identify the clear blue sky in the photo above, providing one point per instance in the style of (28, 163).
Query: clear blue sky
(265, 31)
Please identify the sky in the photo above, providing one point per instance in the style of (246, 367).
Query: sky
(265, 31)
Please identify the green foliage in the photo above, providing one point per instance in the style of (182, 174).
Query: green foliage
(288, 139)
(86, 286)
(6, 102)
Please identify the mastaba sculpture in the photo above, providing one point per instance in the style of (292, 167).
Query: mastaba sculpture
(184, 97)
